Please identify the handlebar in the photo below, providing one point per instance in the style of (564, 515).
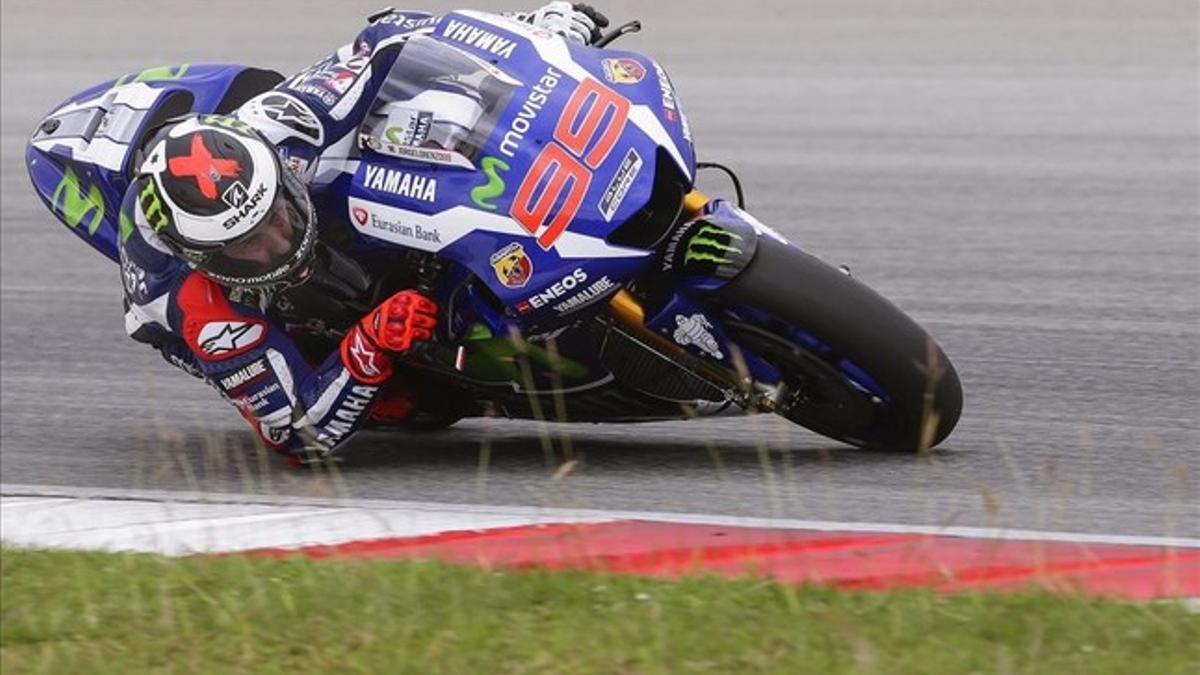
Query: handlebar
(620, 31)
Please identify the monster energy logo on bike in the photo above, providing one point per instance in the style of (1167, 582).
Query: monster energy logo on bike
(711, 244)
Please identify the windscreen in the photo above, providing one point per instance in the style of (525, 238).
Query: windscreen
(438, 104)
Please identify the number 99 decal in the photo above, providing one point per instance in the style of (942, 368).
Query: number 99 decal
(558, 167)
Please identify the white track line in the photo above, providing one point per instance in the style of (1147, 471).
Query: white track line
(374, 518)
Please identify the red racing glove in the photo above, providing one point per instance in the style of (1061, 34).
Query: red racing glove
(391, 328)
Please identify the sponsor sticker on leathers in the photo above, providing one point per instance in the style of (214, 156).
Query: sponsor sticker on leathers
(219, 338)
(244, 375)
(289, 115)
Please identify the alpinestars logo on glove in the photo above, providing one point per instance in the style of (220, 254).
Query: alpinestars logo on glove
(364, 357)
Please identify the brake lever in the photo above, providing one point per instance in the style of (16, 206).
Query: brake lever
(620, 31)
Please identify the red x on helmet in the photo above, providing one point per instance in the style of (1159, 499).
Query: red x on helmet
(219, 196)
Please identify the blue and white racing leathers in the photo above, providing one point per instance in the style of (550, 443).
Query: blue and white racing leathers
(220, 334)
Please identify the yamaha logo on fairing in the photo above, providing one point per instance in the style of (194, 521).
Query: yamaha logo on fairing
(401, 183)
(246, 208)
(479, 38)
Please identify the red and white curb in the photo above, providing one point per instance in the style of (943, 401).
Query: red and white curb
(845, 555)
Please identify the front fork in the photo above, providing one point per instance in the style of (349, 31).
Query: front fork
(629, 314)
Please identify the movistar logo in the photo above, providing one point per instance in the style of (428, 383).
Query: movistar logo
(711, 237)
(483, 194)
(75, 205)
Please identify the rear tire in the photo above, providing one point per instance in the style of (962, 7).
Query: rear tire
(921, 394)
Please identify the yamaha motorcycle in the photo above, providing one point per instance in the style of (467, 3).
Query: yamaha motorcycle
(581, 275)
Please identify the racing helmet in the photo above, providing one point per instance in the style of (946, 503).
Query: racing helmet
(217, 194)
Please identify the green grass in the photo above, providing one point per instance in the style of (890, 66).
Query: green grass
(65, 612)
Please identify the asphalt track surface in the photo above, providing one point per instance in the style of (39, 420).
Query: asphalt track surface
(1021, 177)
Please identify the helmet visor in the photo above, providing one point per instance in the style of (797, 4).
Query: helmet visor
(269, 252)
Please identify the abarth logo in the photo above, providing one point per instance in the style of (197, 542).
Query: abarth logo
(623, 70)
(512, 266)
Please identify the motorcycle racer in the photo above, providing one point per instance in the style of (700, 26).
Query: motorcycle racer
(227, 273)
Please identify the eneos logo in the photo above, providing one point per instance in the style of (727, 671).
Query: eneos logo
(360, 216)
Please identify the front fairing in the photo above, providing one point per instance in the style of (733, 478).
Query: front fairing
(80, 157)
(561, 150)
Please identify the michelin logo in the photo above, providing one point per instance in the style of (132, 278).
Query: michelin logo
(695, 330)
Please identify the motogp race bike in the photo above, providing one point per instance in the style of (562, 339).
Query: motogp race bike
(580, 274)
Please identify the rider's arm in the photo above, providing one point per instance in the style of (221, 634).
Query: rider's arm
(294, 406)
(297, 408)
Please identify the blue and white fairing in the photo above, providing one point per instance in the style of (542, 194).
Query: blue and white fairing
(80, 155)
(517, 154)
(553, 258)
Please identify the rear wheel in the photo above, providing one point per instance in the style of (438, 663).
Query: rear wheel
(855, 368)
